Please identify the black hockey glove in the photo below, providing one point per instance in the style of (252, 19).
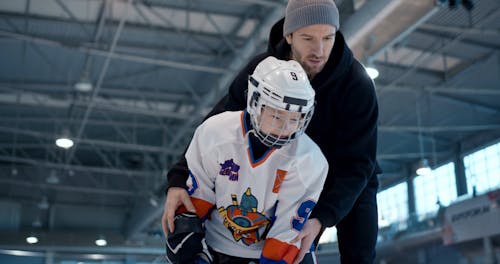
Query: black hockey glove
(187, 244)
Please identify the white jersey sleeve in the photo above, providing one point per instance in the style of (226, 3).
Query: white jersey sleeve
(201, 179)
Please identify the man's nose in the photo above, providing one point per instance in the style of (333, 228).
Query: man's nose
(317, 47)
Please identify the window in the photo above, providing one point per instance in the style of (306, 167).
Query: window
(482, 169)
(393, 205)
(330, 235)
(440, 185)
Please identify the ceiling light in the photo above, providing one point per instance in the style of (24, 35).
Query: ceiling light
(101, 241)
(153, 201)
(44, 203)
(84, 85)
(372, 72)
(423, 167)
(32, 239)
(64, 142)
(37, 223)
(52, 179)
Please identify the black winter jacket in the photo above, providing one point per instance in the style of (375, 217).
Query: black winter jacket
(344, 124)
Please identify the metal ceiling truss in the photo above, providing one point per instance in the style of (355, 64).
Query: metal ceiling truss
(128, 132)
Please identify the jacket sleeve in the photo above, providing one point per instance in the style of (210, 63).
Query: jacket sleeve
(179, 173)
(201, 180)
(352, 154)
(234, 100)
(297, 197)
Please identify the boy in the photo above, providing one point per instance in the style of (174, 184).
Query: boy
(254, 175)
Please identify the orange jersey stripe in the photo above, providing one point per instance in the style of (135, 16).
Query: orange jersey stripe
(278, 250)
(242, 120)
(280, 177)
(202, 207)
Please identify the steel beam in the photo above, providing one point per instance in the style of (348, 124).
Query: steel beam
(416, 155)
(88, 169)
(71, 189)
(434, 129)
(117, 55)
(96, 142)
(492, 14)
(115, 105)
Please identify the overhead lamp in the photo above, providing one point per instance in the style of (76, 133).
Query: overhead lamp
(37, 223)
(372, 72)
(423, 167)
(84, 84)
(153, 201)
(52, 179)
(44, 203)
(64, 142)
(101, 241)
(32, 239)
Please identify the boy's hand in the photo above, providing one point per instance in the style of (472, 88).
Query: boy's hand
(176, 197)
(306, 237)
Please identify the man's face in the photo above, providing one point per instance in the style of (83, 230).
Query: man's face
(311, 47)
(279, 123)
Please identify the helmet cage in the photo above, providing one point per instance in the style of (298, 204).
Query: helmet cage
(262, 96)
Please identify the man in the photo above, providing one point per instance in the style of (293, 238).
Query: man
(254, 175)
(344, 126)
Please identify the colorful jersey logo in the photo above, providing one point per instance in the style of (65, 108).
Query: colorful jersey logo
(244, 222)
(229, 168)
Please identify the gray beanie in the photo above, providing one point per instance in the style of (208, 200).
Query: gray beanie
(301, 13)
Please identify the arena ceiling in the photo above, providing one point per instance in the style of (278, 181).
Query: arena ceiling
(156, 68)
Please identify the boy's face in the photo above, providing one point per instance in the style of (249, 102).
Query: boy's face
(279, 123)
(311, 47)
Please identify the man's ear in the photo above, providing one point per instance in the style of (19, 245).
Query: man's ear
(289, 38)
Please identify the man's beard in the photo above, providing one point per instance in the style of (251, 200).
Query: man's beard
(310, 71)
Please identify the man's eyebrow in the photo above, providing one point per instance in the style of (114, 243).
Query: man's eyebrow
(308, 35)
(304, 35)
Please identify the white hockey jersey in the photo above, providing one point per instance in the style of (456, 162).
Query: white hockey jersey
(253, 207)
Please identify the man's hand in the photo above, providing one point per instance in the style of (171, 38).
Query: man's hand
(306, 237)
(176, 196)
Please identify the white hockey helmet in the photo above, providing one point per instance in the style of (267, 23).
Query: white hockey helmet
(280, 85)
